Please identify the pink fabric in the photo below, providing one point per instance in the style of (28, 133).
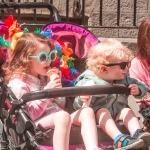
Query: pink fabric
(108, 144)
(46, 120)
(77, 37)
(104, 145)
(45, 148)
(139, 70)
(36, 108)
(3, 50)
(3, 29)
(3, 54)
(76, 41)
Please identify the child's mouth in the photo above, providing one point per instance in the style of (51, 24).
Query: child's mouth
(47, 68)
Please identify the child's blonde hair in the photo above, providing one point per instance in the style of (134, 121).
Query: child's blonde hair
(107, 52)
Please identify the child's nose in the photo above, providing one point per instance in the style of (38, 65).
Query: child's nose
(48, 62)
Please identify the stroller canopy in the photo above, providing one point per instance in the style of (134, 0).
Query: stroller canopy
(76, 37)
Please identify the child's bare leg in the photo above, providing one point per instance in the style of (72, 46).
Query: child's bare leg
(120, 140)
(107, 123)
(131, 122)
(86, 119)
(62, 122)
(129, 119)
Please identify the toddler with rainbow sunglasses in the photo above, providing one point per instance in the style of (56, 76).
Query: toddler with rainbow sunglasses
(26, 71)
(108, 63)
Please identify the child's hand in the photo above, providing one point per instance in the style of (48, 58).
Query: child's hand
(55, 83)
(134, 89)
(85, 98)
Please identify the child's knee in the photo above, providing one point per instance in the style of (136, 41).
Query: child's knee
(126, 111)
(87, 111)
(63, 116)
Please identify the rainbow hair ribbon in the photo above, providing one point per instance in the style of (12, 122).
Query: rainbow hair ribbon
(64, 60)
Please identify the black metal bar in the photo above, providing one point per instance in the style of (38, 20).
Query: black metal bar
(83, 12)
(64, 92)
(33, 24)
(18, 13)
(33, 5)
(2, 96)
(51, 15)
(35, 16)
(75, 91)
(111, 27)
(134, 15)
(101, 12)
(51, 1)
(67, 10)
(32, 139)
(58, 18)
(118, 13)
(2, 13)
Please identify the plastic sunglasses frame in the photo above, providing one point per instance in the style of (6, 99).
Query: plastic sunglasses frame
(48, 56)
(122, 65)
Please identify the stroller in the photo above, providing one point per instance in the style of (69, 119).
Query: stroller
(17, 130)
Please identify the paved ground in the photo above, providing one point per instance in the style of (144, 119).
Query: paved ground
(134, 107)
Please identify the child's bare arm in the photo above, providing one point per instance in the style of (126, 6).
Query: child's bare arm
(87, 98)
(55, 83)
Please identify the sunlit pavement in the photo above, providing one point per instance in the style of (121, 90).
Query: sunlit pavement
(134, 107)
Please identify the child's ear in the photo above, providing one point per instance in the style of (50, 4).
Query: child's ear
(103, 69)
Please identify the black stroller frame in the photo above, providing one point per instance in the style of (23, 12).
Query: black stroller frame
(13, 114)
(29, 5)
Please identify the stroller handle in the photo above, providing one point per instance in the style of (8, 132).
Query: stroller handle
(59, 92)
(75, 91)
(29, 5)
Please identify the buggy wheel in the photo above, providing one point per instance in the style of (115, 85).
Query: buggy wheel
(5, 146)
(5, 143)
